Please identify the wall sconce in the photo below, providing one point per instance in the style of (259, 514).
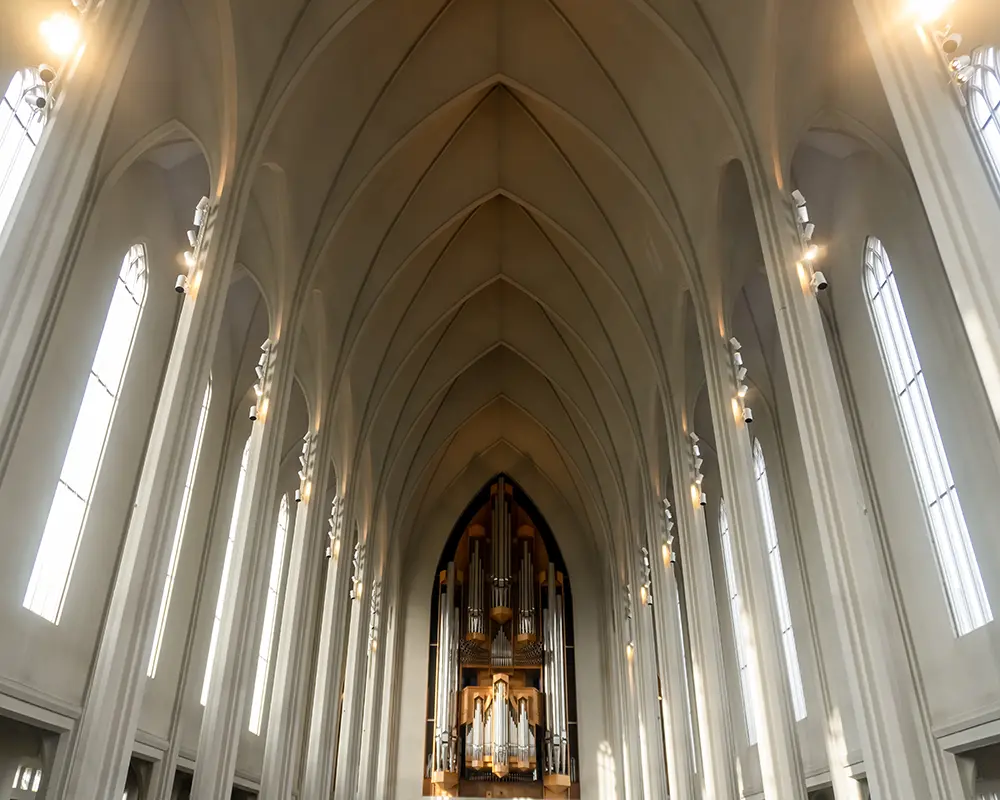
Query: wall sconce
(307, 460)
(357, 586)
(667, 545)
(808, 275)
(334, 528)
(646, 588)
(740, 409)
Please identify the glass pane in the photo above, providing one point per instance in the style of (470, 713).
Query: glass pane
(20, 129)
(61, 538)
(175, 548)
(966, 595)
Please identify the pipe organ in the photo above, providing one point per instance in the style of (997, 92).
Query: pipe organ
(499, 683)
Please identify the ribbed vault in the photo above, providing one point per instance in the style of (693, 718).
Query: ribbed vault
(492, 252)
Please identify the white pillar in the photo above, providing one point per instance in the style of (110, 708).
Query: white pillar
(652, 754)
(43, 232)
(718, 759)
(671, 669)
(309, 542)
(901, 756)
(104, 737)
(329, 675)
(387, 755)
(954, 186)
(780, 761)
(349, 746)
(236, 647)
(372, 735)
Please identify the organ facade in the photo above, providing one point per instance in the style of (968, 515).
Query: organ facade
(501, 705)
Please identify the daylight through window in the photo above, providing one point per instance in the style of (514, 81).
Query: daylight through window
(61, 537)
(746, 688)
(984, 102)
(226, 564)
(270, 618)
(963, 581)
(778, 581)
(21, 127)
(175, 548)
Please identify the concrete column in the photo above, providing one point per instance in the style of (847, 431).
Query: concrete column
(372, 735)
(718, 759)
(103, 741)
(324, 722)
(309, 541)
(43, 233)
(954, 185)
(673, 683)
(901, 756)
(239, 627)
(780, 761)
(652, 751)
(355, 674)
(392, 676)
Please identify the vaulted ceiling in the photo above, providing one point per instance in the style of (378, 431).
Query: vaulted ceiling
(490, 215)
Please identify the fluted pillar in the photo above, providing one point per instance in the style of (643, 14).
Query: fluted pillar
(780, 760)
(43, 232)
(902, 758)
(718, 757)
(324, 721)
(309, 543)
(953, 181)
(372, 735)
(671, 668)
(652, 756)
(103, 742)
(236, 645)
(356, 671)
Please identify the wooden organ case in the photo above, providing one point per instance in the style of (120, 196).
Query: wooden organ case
(501, 683)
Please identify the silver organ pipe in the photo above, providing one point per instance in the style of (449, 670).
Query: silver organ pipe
(497, 630)
(557, 739)
(445, 733)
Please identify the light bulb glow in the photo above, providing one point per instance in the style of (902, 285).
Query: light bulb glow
(695, 493)
(189, 259)
(262, 411)
(811, 253)
(336, 549)
(665, 550)
(737, 413)
(630, 650)
(61, 33)
(927, 11)
(644, 594)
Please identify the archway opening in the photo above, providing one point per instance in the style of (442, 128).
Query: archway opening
(501, 699)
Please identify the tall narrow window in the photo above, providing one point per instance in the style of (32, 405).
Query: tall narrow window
(270, 618)
(175, 548)
(970, 608)
(984, 102)
(61, 538)
(746, 688)
(778, 581)
(234, 523)
(21, 126)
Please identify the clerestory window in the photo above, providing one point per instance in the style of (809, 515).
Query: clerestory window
(983, 92)
(175, 548)
(61, 538)
(270, 620)
(21, 124)
(963, 581)
(226, 564)
(778, 582)
(739, 635)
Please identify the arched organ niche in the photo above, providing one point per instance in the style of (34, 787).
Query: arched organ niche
(501, 706)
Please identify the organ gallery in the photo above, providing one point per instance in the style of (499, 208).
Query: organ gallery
(501, 705)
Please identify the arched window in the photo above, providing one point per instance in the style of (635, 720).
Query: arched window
(57, 551)
(746, 688)
(20, 129)
(983, 91)
(270, 619)
(778, 580)
(175, 549)
(963, 581)
(233, 524)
